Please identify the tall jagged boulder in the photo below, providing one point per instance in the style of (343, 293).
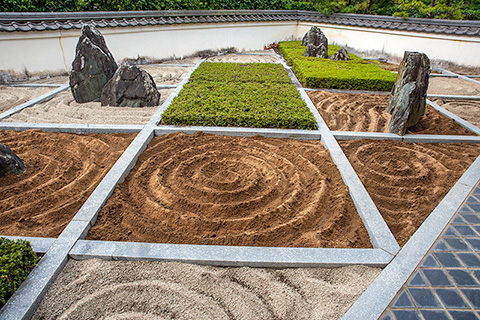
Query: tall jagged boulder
(130, 86)
(316, 43)
(93, 66)
(408, 97)
(10, 163)
(341, 55)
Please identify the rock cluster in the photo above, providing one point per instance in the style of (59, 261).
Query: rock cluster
(130, 86)
(93, 66)
(408, 97)
(10, 163)
(316, 44)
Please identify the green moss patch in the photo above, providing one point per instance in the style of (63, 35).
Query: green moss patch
(356, 74)
(257, 95)
(17, 259)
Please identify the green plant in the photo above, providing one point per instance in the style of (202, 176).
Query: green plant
(17, 259)
(259, 95)
(355, 74)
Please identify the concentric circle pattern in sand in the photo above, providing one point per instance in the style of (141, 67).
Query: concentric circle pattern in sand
(166, 75)
(208, 189)
(11, 97)
(366, 113)
(407, 180)
(95, 289)
(62, 170)
(453, 86)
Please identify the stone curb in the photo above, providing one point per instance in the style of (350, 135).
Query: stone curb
(455, 74)
(231, 256)
(71, 128)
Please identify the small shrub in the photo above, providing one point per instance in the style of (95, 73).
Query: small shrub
(259, 95)
(17, 259)
(355, 74)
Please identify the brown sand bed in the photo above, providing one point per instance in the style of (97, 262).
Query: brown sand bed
(407, 180)
(62, 171)
(11, 97)
(95, 289)
(63, 109)
(453, 86)
(219, 190)
(366, 113)
(468, 110)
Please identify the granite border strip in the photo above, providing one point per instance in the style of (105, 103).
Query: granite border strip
(451, 97)
(424, 138)
(44, 97)
(380, 235)
(459, 76)
(383, 93)
(467, 125)
(166, 86)
(243, 132)
(355, 135)
(380, 293)
(230, 256)
(71, 128)
(39, 244)
(33, 85)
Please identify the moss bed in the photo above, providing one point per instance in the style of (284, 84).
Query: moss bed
(356, 74)
(258, 95)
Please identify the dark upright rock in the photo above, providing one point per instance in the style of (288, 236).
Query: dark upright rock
(408, 98)
(341, 55)
(93, 66)
(316, 43)
(130, 87)
(10, 163)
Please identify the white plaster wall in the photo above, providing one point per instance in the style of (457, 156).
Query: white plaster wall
(463, 51)
(55, 50)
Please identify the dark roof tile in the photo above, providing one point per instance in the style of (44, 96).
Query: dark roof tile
(24, 22)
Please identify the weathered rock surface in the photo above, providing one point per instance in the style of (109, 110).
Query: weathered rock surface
(10, 163)
(130, 86)
(408, 97)
(341, 55)
(316, 43)
(92, 67)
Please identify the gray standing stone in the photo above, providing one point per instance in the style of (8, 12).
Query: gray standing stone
(316, 43)
(341, 55)
(93, 66)
(10, 163)
(408, 97)
(130, 86)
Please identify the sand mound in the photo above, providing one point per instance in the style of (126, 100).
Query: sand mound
(366, 113)
(63, 109)
(11, 97)
(466, 109)
(62, 170)
(453, 86)
(207, 189)
(96, 289)
(407, 180)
